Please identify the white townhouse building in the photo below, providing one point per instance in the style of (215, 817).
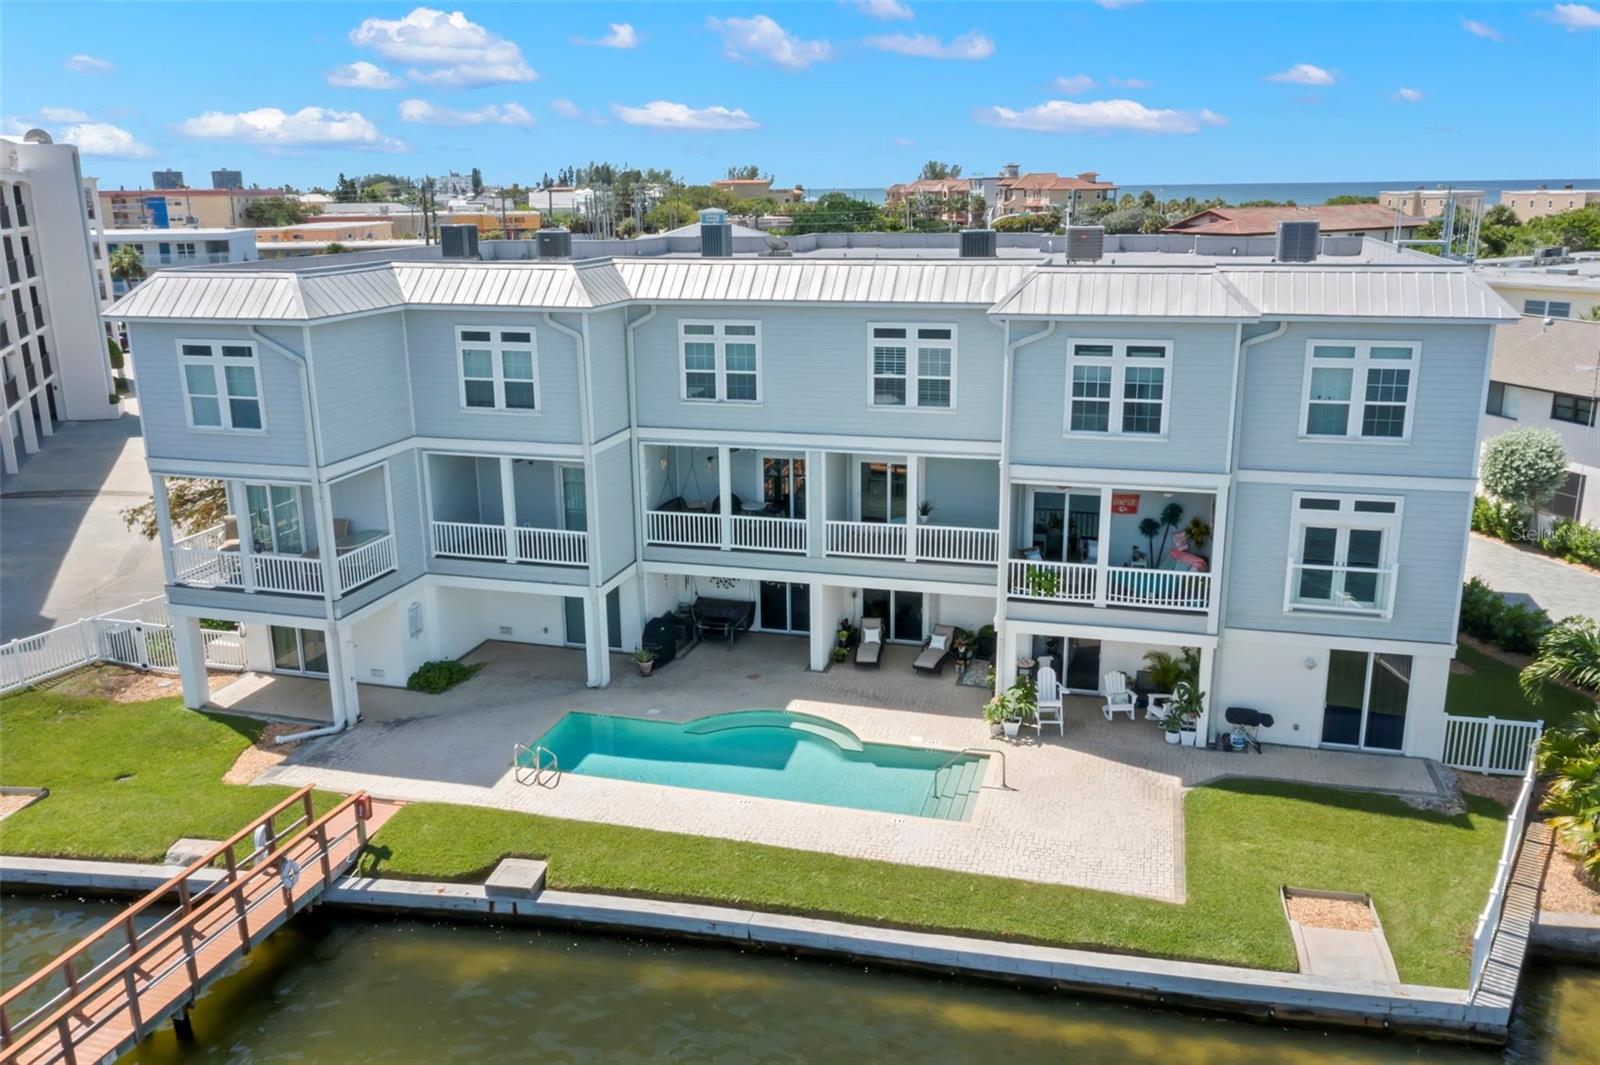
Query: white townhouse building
(185, 246)
(53, 357)
(1177, 441)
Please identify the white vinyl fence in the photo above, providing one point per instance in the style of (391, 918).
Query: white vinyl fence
(138, 635)
(1489, 745)
(1494, 909)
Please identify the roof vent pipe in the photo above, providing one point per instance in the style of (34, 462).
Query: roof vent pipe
(978, 244)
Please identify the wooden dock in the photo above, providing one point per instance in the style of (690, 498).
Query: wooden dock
(121, 982)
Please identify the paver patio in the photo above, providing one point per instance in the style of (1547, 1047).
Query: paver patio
(1099, 808)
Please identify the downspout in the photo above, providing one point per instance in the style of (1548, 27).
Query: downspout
(1234, 432)
(633, 439)
(580, 341)
(1008, 373)
(314, 443)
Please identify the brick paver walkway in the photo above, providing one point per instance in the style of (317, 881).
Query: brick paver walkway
(1562, 590)
(1100, 808)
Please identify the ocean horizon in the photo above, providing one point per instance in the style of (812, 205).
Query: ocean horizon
(1301, 192)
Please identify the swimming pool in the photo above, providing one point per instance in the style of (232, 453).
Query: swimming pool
(772, 754)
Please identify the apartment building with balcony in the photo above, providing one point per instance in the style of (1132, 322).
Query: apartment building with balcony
(1186, 442)
(52, 352)
(160, 248)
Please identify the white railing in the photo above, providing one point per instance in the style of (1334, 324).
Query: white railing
(206, 567)
(1358, 589)
(138, 635)
(294, 574)
(365, 563)
(955, 543)
(1062, 582)
(1489, 745)
(866, 539)
(1489, 920)
(465, 539)
(560, 547)
(1164, 589)
(683, 528)
(769, 534)
(205, 539)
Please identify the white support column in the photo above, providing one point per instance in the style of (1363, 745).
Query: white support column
(327, 545)
(913, 501)
(189, 643)
(30, 435)
(816, 505)
(1208, 685)
(821, 636)
(596, 651)
(8, 446)
(1005, 666)
(508, 507)
(1101, 577)
(158, 486)
(239, 505)
(725, 494)
(341, 687)
(1219, 530)
(42, 397)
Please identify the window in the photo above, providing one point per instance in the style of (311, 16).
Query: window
(498, 370)
(1497, 400)
(1565, 408)
(1568, 500)
(1359, 390)
(1548, 308)
(913, 366)
(1118, 387)
(1342, 553)
(221, 385)
(721, 361)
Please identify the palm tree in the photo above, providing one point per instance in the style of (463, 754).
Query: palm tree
(1569, 653)
(1570, 758)
(127, 266)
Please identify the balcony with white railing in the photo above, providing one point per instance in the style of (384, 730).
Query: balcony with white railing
(765, 533)
(1346, 589)
(488, 508)
(683, 528)
(482, 542)
(866, 539)
(957, 543)
(1158, 589)
(1056, 582)
(205, 560)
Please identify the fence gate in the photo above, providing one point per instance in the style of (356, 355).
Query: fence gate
(1489, 745)
(140, 644)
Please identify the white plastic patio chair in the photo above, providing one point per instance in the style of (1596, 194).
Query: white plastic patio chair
(1049, 704)
(1119, 700)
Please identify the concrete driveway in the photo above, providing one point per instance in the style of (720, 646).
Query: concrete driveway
(1560, 589)
(66, 553)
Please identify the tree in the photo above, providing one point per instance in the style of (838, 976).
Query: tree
(933, 170)
(114, 356)
(1569, 758)
(1568, 654)
(275, 211)
(1132, 220)
(744, 173)
(477, 181)
(346, 190)
(1348, 198)
(333, 248)
(1037, 222)
(1524, 467)
(194, 503)
(126, 265)
(834, 212)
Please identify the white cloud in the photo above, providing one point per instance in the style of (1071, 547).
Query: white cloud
(309, 127)
(972, 45)
(88, 64)
(488, 114)
(903, 142)
(364, 75)
(1479, 29)
(1112, 5)
(1073, 84)
(62, 114)
(68, 125)
(1409, 95)
(622, 35)
(566, 108)
(1575, 17)
(1068, 116)
(1129, 83)
(762, 38)
(453, 49)
(887, 10)
(664, 114)
(1303, 74)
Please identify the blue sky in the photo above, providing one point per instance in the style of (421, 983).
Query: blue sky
(824, 93)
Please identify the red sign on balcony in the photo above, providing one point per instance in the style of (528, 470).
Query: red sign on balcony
(1124, 502)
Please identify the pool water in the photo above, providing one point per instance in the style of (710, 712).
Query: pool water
(772, 754)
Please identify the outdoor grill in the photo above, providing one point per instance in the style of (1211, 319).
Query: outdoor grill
(1247, 721)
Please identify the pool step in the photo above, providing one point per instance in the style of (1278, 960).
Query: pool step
(955, 787)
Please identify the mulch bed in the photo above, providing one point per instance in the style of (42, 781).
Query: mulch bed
(262, 755)
(119, 684)
(1345, 914)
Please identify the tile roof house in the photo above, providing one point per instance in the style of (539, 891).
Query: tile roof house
(1356, 219)
(1045, 190)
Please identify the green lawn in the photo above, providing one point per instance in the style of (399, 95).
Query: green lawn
(1491, 691)
(1429, 873)
(125, 780)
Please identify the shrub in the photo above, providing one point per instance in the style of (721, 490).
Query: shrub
(1486, 616)
(1500, 520)
(114, 354)
(1570, 759)
(1524, 466)
(1573, 541)
(440, 675)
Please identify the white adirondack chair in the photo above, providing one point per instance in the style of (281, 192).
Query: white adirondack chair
(1049, 706)
(1119, 700)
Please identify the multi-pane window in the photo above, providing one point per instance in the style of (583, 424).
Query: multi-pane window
(1118, 386)
(1342, 553)
(1577, 409)
(1496, 404)
(499, 370)
(1548, 308)
(721, 361)
(221, 384)
(913, 366)
(1360, 390)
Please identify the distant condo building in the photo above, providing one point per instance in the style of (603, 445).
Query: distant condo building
(1429, 203)
(166, 179)
(52, 351)
(178, 207)
(1348, 220)
(227, 179)
(758, 189)
(1539, 202)
(181, 247)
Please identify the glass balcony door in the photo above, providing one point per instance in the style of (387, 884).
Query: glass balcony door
(276, 523)
(783, 487)
(299, 651)
(883, 492)
(574, 507)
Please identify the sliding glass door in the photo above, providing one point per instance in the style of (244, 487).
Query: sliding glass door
(784, 607)
(299, 651)
(276, 524)
(1065, 525)
(901, 612)
(574, 507)
(1366, 700)
(883, 492)
(783, 487)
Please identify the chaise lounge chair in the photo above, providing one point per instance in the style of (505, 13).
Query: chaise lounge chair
(869, 652)
(937, 649)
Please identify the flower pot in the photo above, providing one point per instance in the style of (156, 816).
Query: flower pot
(1172, 737)
(994, 729)
(1011, 728)
(645, 668)
(1189, 737)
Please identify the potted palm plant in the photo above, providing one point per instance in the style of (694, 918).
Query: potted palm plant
(1188, 702)
(645, 659)
(1172, 724)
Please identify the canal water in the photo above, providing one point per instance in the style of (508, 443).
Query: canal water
(332, 988)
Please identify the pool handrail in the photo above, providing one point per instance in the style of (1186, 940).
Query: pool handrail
(536, 755)
(963, 752)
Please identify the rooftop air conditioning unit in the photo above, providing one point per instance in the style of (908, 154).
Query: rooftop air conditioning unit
(554, 243)
(1085, 243)
(1298, 241)
(716, 238)
(1549, 254)
(459, 241)
(978, 243)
